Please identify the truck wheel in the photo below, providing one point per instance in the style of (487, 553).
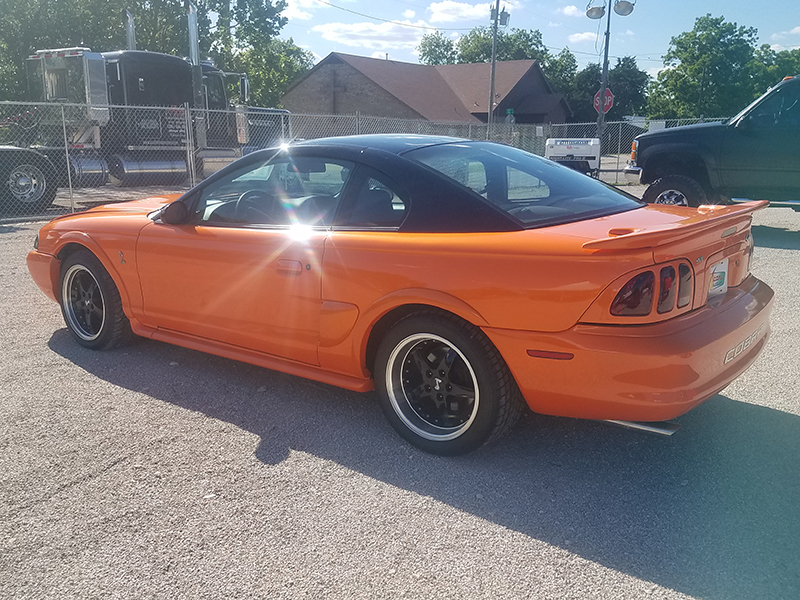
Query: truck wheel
(676, 190)
(443, 386)
(27, 188)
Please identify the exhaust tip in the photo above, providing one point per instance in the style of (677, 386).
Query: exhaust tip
(659, 427)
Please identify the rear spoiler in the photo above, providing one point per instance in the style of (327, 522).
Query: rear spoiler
(707, 217)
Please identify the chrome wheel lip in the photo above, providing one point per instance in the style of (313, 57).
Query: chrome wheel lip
(672, 198)
(27, 183)
(70, 314)
(401, 404)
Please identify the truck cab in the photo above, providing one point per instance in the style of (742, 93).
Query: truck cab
(754, 155)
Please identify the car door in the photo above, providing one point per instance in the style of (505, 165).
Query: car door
(760, 154)
(247, 269)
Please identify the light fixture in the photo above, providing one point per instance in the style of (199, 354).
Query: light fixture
(596, 12)
(623, 8)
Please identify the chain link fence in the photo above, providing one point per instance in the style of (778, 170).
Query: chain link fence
(60, 158)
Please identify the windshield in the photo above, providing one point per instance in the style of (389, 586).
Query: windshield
(533, 190)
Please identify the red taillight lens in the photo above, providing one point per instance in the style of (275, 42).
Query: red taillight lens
(635, 299)
(666, 291)
(684, 285)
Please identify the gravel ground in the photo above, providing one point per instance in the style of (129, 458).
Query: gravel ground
(158, 472)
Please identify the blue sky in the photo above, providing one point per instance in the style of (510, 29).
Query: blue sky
(396, 26)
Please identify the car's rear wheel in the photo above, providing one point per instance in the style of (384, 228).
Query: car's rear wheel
(91, 304)
(675, 190)
(443, 386)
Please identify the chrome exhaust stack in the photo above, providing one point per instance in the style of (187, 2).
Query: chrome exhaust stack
(130, 29)
(659, 427)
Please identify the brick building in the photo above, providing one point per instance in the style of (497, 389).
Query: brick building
(346, 84)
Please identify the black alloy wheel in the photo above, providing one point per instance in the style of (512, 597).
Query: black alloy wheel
(443, 386)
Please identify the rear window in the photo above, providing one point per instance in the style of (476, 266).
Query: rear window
(531, 189)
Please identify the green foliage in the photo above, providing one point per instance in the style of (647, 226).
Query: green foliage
(768, 67)
(272, 69)
(437, 49)
(519, 44)
(560, 71)
(708, 71)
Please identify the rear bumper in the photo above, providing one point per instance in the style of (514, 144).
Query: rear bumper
(45, 270)
(641, 373)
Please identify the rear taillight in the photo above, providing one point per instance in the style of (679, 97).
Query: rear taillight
(635, 299)
(634, 150)
(674, 292)
(666, 290)
(685, 285)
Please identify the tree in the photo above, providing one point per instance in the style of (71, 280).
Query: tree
(272, 69)
(437, 49)
(707, 71)
(520, 44)
(768, 67)
(560, 71)
(585, 86)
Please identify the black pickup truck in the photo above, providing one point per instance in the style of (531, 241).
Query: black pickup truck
(755, 155)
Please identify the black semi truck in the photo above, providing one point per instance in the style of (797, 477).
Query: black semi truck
(108, 129)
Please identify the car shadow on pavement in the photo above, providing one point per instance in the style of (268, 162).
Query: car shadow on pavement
(765, 236)
(713, 511)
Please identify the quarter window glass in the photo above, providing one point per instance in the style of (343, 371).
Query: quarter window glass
(533, 190)
(283, 191)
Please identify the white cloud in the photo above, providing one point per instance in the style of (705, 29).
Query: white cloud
(577, 38)
(295, 9)
(553, 24)
(782, 34)
(449, 11)
(570, 11)
(629, 33)
(373, 36)
(409, 14)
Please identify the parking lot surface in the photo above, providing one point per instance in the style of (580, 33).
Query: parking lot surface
(157, 472)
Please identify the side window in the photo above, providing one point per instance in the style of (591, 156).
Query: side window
(524, 186)
(781, 109)
(283, 191)
(378, 202)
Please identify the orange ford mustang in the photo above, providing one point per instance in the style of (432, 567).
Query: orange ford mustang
(461, 280)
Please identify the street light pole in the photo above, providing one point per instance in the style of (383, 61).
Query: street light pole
(623, 8)
(496, 14)
(601, 117)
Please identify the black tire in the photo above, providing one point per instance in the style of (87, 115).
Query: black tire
(90, 303)
(425, 356)
(675, 190)
(27, 186)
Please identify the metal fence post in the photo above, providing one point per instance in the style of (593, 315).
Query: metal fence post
(189, 144)
(66, 156)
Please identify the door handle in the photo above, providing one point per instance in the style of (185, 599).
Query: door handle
(290, 267)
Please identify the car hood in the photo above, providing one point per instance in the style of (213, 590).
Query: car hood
(692, 131)
(142, 206)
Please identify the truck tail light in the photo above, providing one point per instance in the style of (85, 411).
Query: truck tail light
(634, 150)
(635, 299)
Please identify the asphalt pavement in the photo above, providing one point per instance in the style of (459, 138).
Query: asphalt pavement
(158, 472)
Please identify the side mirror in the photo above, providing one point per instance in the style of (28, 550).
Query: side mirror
(174, 213)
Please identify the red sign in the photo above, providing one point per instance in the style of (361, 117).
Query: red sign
(609, 101)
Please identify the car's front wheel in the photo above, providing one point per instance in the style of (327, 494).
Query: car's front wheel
(91, 304)
(443, 386)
